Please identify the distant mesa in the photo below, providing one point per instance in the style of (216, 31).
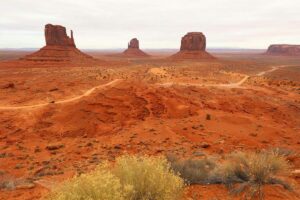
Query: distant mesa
(133, 49)
(193, 46)
(134, 44)
(284, 50)
(59, 47)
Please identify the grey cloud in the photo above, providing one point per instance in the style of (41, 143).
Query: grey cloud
(158, 23)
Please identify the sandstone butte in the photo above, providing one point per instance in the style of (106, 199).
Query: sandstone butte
(134, 50)
(284, 50)
(59, 48)
(193, 46)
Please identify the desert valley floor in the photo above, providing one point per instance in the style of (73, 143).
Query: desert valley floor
(62, 120)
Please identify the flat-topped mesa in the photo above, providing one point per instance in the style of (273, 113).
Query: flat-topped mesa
(134, 50)
(193, 46)
(57, 35)
(193, 41)
(284, 50)
(134, 44)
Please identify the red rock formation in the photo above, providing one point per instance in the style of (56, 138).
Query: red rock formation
(284, 50)
(57, 35)
(134, 43)
(193, 46)
(59, 48)
(193, 41)
(134, 49)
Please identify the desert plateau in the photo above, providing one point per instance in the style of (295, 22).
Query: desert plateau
(202, 112)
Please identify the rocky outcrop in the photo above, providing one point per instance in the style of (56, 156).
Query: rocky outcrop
(194, 41)
(284, 50)
(57, 35)
(134, 44)
(133, 50)
(193, 46)
(59, 48)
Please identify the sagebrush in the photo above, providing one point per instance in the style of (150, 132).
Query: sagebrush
(195, 171)
(130, 178)
(247, 172)
(99, 184)
(151, 177)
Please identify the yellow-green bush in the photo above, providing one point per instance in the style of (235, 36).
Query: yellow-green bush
(99, 184)
(130, 178)
(151, 178)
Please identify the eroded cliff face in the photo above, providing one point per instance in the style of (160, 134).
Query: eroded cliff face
(193, 41)
(284, 49)
(193, 46)
(57, 35)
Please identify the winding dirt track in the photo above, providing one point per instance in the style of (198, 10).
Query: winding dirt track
(87, 93)
(114, 82)
(227, 85)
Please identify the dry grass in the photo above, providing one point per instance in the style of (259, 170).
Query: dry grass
(195, 171)
(246, 173)
(7, 182)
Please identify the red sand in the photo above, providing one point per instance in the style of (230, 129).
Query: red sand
(142, 114)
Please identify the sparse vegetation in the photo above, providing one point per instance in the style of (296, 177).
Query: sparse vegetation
(247, 173)
(194, 171)
(150, 177)
(99, 184)
(244, 173)
(159, 178)
(282, 151)
(131, 178)
(7, 184)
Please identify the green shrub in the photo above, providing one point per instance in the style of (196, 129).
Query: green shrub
(99, 184)
(247, 173)
(151, 178)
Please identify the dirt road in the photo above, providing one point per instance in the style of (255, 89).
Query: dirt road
(226, 85)
(90, 91)
(85, 94)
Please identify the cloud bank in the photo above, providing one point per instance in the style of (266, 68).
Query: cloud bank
(106, 24)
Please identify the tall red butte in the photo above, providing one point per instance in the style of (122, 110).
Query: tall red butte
(193, 46)
(134, 50)
(59, 47)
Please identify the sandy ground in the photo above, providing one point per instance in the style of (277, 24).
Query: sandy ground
(149, 106)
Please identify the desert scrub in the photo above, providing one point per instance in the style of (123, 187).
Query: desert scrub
(151, 178)
(129, 178)
(247, 172)
(195, 171)
(99, 184)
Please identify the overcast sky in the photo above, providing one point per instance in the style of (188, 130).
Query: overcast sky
(107, 24)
